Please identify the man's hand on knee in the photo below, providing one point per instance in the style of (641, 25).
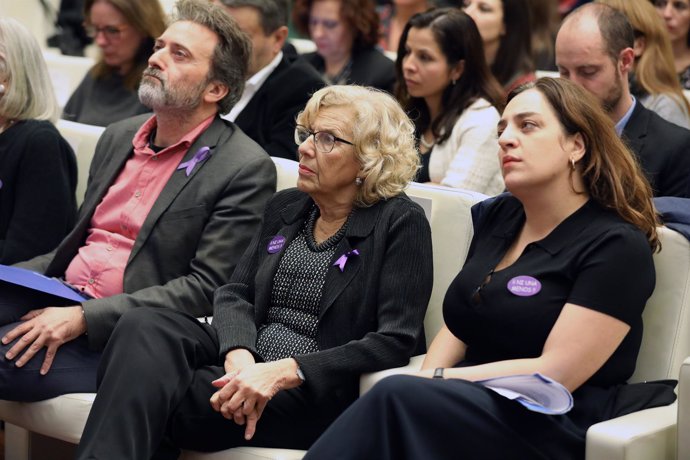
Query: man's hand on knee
(48, 327)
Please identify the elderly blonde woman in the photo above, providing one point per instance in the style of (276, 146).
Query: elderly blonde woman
(38, 170)
(335, 284)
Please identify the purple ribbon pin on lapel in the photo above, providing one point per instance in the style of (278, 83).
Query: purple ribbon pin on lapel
(342, 260)
(199, 156)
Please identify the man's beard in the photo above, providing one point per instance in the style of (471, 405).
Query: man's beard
(614, 95)
(160, 95)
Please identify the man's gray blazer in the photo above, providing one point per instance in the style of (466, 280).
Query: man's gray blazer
(194, 234)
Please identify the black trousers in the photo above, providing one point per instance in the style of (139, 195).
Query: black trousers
(74, 367)
(154, 386)
(410, 418)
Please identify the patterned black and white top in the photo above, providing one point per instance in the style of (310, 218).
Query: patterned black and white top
(293, 316)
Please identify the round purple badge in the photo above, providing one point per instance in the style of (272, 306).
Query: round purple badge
(0, 184)
(276, 244)
(524, 286)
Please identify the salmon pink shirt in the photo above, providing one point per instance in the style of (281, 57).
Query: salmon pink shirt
(98, 268)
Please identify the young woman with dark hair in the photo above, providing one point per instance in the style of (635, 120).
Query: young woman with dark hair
(447, 88)
(505, 29)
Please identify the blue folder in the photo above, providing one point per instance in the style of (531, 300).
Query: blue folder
(33, 280)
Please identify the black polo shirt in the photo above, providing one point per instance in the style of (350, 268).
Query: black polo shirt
(593, 259)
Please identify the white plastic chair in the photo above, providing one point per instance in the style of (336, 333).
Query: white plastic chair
(303, 45)
(66, 72)
(82, 138)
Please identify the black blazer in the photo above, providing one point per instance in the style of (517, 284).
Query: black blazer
(371, 314)
(663, 150)
(38, 176)
(192, 237)
(269, 118)
(369, 68)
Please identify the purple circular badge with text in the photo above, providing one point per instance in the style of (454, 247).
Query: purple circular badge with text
(524, 286)
(276, 244)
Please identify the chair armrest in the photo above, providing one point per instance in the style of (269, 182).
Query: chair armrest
(684, 410)
(366, 381)
(642, 435)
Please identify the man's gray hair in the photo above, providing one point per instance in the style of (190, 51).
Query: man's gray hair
(230, 58)
(273, 13)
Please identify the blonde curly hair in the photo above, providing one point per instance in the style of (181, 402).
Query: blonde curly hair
(383, 138)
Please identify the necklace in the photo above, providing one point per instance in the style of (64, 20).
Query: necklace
(425, 144)
(330, 242)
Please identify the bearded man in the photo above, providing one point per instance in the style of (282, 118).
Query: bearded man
(594, 48)
(173, 200)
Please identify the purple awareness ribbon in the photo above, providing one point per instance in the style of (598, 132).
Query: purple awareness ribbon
(342, 260)
(199, 156)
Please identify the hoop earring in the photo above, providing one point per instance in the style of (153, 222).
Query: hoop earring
(572, 164)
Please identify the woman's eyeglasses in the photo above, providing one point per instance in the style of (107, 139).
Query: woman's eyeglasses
(477, 294)
(109, 32)
(323, 140)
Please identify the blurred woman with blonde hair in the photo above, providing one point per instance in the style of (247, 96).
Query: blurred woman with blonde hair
(676, 17)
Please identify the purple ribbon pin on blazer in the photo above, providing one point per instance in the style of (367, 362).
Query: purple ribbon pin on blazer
(199, 157)
(342, 260)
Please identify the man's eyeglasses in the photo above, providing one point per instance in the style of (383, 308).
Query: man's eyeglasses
(110, 32)
(477, 294)
(323, 140)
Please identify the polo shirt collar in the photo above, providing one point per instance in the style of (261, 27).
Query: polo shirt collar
(562, 235)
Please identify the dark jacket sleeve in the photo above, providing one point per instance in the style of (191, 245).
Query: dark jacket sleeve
(234, 313)
(44, 208)
(303, 81)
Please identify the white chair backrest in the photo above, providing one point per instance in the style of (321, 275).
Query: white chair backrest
(303, 45)
(168, 6)
(66, 72)
(666, 318)
(32, 14)
(83, 139)
(286, 171)
(448, 211)
(547, 73)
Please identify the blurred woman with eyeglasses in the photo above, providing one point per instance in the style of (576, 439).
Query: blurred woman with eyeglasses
(345, 33)
(125, 31)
